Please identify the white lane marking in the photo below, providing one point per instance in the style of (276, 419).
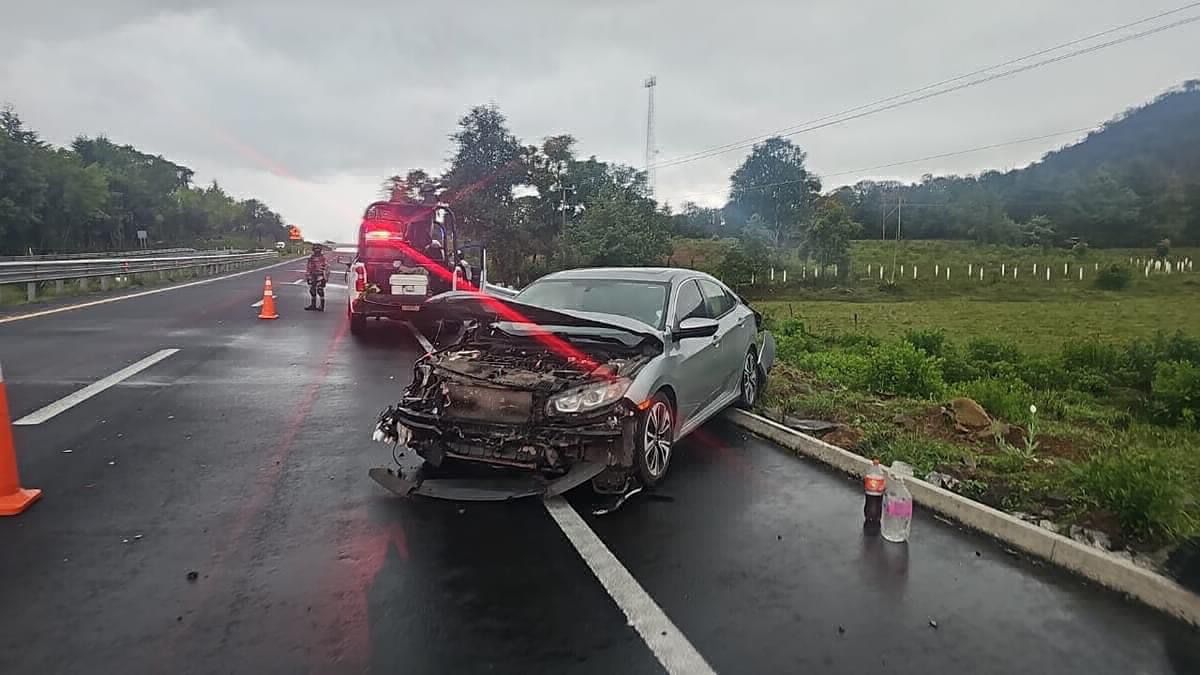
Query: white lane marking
(257, 304)
(669, 645)
(74, 399)
(141, 294)
(424, 342)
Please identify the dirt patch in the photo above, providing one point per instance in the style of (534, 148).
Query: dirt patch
(845, 437)
(1060, 447)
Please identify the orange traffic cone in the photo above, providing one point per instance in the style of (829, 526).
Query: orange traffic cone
(268, 302)
(13, 498)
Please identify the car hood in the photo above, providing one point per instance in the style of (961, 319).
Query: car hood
(459, 305)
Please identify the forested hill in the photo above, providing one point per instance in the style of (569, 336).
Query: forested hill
(96, 195)
(1130, 183)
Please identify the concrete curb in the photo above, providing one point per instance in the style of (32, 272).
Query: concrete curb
(1108, 570)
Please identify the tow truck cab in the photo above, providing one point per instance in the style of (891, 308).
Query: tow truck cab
(402, 260)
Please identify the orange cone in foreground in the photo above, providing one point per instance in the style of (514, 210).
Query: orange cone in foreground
(268, 303)
(13, 498)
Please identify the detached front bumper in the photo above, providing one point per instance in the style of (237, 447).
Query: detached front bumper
(506, 461)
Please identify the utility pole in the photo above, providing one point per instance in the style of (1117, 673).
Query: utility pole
(563, 204)
(650, 83)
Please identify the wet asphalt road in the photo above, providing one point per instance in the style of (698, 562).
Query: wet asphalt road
(243, 457)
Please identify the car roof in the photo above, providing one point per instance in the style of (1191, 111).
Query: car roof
(661, 274)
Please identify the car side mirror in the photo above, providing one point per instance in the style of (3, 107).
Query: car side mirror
(695, 327)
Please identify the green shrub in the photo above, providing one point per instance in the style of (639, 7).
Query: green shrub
(1093, 355)
(840, 367)
(931, 341)
(1148, 491)
(1113, 278)
(859, 343)
(900, 368)
(1043, 372)
(790, 348)
(1006, 399)
(1143, 356)
(956, 367)
(994, 358)
(1175, 392)
(993, 351)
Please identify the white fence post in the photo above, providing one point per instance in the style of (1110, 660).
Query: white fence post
(1003, 270)
(1081, 272)
(752, 278)
(1047, 274)
(785, 275)
(1066, 271)
(1015, 267)
(868, 269)
(947, 273)
(1035, 269)
(914, 272)
(881, 272)
(970, 269)
(981, 273)
(835, 269)
(936, 270)
(772, 275)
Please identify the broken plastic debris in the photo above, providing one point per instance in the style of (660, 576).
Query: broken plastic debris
(67, 451)
(170, 417)
(193, 575)
(933, 623)
(112, 462)
(137, 536)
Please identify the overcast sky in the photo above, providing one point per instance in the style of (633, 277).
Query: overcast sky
(308, 105)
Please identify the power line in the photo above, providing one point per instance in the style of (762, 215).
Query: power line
(871, 109)
(889, 165)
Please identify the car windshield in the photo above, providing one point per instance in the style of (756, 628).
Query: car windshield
(644, 301)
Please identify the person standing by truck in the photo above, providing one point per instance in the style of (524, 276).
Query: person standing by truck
(317, 274)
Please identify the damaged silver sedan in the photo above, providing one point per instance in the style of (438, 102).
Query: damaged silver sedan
(587, 375)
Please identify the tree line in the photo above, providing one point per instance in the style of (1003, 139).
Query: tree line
(96, 195)
(1133, 182)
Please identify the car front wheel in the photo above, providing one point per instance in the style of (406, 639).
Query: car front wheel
(656, 439)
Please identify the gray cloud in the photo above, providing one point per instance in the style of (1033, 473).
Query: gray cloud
(312, 103)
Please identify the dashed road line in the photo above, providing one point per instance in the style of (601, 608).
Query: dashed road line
(141, 294)
(74, 399)
(670, 646)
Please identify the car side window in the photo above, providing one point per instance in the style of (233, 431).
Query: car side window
(717, 299)
(690, 303)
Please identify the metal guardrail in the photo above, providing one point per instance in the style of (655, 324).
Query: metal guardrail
(35, 272)
(113, 254)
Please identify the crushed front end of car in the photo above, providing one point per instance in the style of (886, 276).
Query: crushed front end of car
(542, 413)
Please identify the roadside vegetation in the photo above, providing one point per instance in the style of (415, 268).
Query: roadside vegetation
(1091, 433)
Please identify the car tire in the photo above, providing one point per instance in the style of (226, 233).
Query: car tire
(655, 440)
(750, 385)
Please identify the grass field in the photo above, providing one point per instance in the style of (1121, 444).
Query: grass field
(1034, 325)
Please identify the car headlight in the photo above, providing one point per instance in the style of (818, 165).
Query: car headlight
(590, 397)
